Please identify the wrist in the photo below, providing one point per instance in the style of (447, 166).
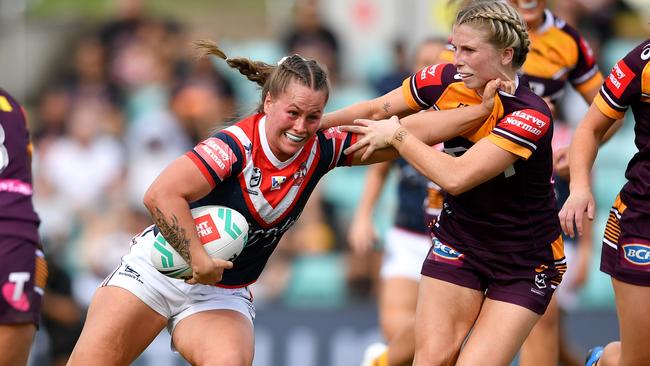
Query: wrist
(576, 184)
(399, 136)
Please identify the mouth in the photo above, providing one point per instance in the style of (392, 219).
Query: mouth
(528, 5)
(465, 75)
(294, 138)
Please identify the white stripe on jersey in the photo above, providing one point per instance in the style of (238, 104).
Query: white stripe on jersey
(263, 208)
(243, 139)
(602, 88)
(267, 149)
(415, 92)
(267, 212)
(336, 155)
(515, 137)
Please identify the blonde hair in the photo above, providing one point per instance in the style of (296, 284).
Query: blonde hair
(273, 79)
(504, 24)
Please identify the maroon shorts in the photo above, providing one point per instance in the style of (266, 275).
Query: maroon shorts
(23, 273)
(526, 278)
(626, 245)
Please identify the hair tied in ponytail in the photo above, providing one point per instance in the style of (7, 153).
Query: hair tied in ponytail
(282, 60)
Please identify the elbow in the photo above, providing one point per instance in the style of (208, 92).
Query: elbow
(456, 185)
(453, 189)
(152, 197)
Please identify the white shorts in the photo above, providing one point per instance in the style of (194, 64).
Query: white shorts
(404, 253)
(172, 298)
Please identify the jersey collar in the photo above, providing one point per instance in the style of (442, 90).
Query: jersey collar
(267, 149)
(549, 21)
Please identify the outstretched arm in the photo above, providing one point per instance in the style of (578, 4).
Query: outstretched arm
(389, 104)
(455, 175)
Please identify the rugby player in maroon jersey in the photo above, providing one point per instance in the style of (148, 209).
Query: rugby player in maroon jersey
(625, 252)
(23, 270)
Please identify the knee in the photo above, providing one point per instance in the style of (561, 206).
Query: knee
(432, 356)
(226, 359)
(395, 325)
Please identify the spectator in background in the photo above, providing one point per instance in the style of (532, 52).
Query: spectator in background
(308, 30)
(203, 99)
(86, 148)
(23, 270)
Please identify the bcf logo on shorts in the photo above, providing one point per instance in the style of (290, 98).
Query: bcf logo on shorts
(441, 252)
(637, 255)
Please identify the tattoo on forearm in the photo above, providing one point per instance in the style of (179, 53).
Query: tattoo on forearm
(173, 233)
(399, 136)
(386, 107)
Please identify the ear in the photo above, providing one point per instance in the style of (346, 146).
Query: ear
(507, 55)
(267, 103)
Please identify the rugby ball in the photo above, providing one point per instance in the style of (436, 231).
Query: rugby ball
(222, 230)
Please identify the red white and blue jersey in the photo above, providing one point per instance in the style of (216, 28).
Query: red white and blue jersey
(246, 176)
(17, 215)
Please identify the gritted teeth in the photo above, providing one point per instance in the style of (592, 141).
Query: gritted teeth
(528, 5)
(294, 138)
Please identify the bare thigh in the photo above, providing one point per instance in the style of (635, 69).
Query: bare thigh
(215, 337)
(498, 334)
(445, 314)
(397, 302)
(542, 347)
(118, 328)
(15, 342)
(632, 304)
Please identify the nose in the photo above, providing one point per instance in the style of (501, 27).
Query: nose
(457, 58)
(300, 125)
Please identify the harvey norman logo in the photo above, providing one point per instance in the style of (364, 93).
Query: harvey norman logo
(620, 77)
(527, 122)
(218, 155)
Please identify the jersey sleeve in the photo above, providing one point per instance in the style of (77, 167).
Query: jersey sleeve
(332, 143)
(218, 158)
(422, 89)
(626, 83)
(520, 131)
(585, 74)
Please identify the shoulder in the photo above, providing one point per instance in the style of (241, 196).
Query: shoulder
(525, 98)
(436, 75)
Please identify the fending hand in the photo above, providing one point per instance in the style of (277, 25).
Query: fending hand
(376, 135)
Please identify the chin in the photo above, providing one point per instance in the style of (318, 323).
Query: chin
(472, 84)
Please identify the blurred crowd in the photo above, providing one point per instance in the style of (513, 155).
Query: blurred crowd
(131, 97)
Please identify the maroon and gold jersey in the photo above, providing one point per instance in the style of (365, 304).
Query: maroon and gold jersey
(515, 210)
(17, 216)
(558, 54)
(628, 85)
